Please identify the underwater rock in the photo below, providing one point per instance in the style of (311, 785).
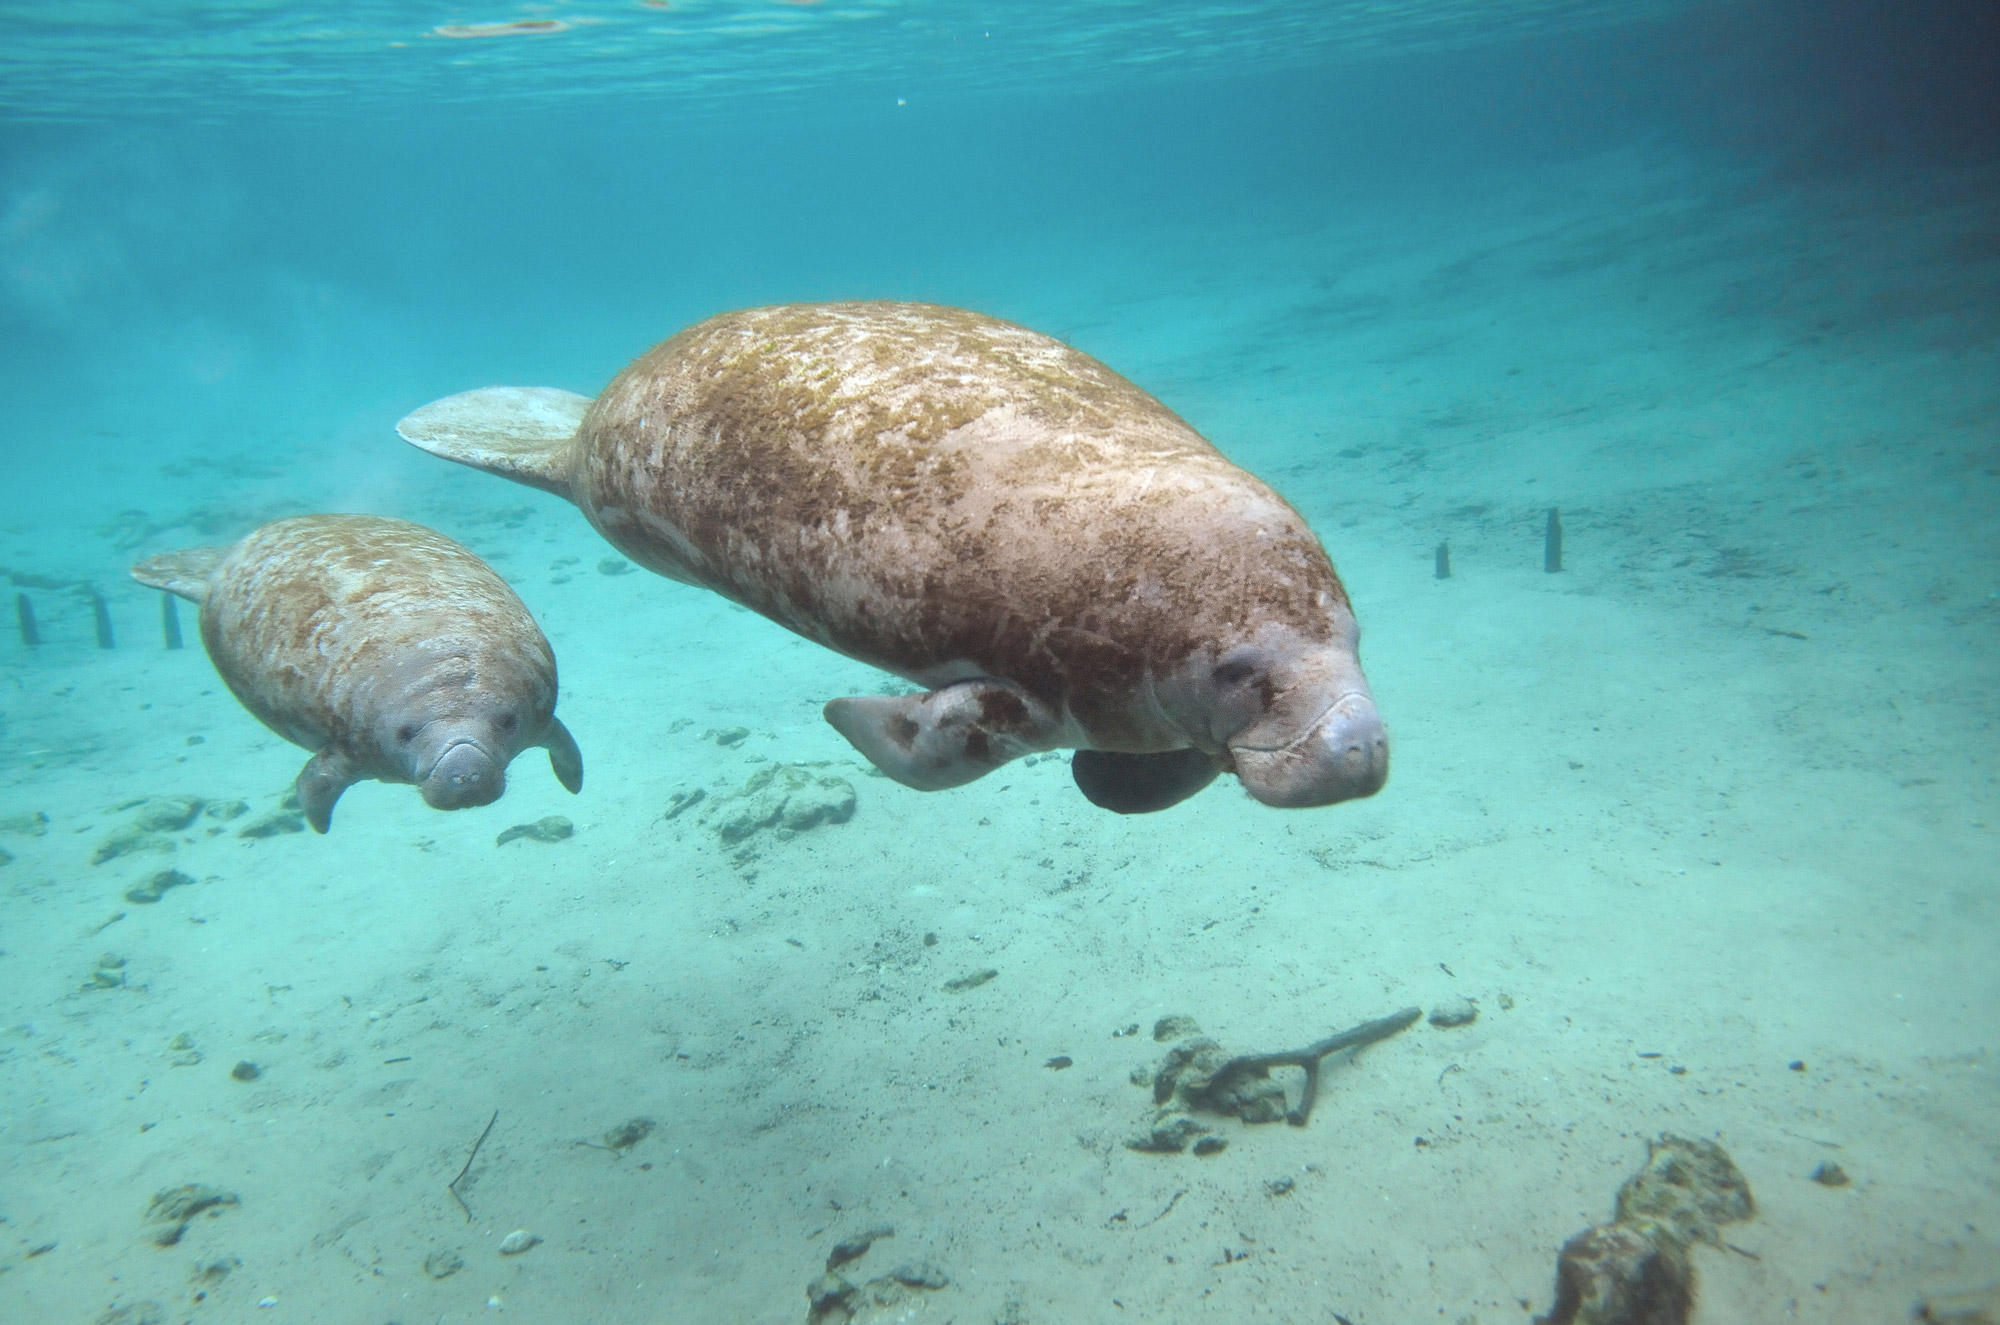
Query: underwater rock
(224, 811)
(854, 1248)
(181, 1051)
(1169, 1135)
(833, 1299)
(518, 1241)
(110, 974)
(128, 840)
(628, 1134)
(972, 981)
(681, 802)
(1615, 1274)
(167, 814)
(28, 823)
(787, 799)
(920, 1275)
(830, 1300)
(614, 566)
(287, 818)
(1692, 1187)
(153, 889)
(1197, 1059)
(1636, 1270)
(443, 1263)
(135, 1313)
(151, 828)
(1457, 1012)
(245, 1070)
(1979, 1307)
(175, 1208)
(1830, 1175)
(549, 828)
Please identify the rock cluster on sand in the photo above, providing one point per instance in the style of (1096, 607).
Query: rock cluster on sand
(1636, 1270)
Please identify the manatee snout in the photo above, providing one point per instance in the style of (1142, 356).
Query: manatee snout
(1341, 757)
(466, 774)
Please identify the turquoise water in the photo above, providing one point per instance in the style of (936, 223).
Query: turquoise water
(1703, 824)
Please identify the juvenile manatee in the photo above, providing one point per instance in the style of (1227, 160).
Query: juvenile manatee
(980, 509)
(385, 648)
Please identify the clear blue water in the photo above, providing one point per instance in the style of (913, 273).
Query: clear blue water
(1704, 824)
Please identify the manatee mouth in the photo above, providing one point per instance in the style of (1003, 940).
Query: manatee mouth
(1342, 755)
(466, 774)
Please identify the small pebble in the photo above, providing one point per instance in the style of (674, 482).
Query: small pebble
(1210, 1145)
(267, 1302)
(246, 1071)
(1059, 1062)
(517, 1242)
(1831, 1175)
(1457, 1012)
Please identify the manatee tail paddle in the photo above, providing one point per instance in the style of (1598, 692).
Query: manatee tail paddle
(184, 573)
(518, 432)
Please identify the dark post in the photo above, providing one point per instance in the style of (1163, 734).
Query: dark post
(102, 611)
(24, 612)
(1552, 543)
(1444, 561)
(170, 621)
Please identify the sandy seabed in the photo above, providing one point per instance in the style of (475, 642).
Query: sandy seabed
(1705, 825)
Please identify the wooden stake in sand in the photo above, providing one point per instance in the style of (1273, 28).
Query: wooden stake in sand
(170, 621)
(100, 611)
(452, 1186)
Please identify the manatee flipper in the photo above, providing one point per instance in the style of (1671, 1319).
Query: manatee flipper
(320, 783)
(518, 432)
(946, 737)
(184, 573)
(1140, 784)
(564, 758)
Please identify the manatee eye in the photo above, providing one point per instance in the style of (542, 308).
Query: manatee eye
(1234, 673)
(406, 734)
(508, 722)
